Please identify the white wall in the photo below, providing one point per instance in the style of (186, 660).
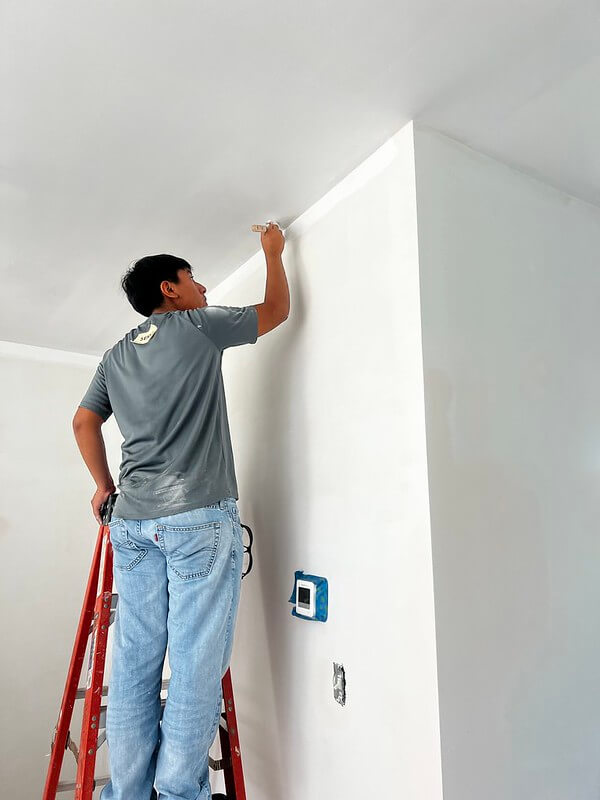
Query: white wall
(328, 424)
(48, 537)
(328, 416)
(327, 420)
(510, 295)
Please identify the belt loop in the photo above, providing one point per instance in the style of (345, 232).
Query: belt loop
(223, 505)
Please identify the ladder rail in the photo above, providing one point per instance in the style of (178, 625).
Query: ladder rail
(93, 696)
(230, 744)
(61, 730)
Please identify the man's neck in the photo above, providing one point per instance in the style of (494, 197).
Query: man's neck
(163, 310)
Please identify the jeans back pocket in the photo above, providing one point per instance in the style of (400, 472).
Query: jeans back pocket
(126, 553)
(190, 550)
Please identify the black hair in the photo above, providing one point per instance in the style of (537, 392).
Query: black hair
(141, 282)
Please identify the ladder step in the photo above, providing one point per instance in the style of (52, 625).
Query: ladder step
(64, 786)
(219, 763)
(80, 693)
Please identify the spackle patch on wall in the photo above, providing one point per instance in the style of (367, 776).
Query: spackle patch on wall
(339, 684)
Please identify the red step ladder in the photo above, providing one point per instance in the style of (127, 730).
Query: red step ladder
(97, 614)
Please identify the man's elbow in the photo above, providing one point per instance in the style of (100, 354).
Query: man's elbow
(284, 314)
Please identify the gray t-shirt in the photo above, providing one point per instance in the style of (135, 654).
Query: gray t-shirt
(164, 384)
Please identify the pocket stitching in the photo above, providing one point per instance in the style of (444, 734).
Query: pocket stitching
(216, 525)
(198, 527)
(126, 542)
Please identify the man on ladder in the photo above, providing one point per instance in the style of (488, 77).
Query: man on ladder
(175, 529)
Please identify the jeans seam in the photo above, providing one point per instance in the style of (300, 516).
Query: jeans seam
(213, 731)
(230, 615)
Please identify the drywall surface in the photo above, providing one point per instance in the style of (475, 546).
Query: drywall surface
(509, 288)
(48, 536)
(327, 421)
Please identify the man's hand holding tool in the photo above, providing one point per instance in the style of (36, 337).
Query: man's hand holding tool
(271, 238)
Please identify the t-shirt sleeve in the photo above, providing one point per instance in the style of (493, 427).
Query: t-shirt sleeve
(228, 326)
(96, 397)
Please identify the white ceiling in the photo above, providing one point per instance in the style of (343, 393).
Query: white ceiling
(132, 127)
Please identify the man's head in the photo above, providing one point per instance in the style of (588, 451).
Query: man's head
(162, 283)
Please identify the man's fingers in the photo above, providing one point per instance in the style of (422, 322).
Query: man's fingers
(96, 513)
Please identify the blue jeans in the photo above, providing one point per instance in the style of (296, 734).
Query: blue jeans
(178, 579)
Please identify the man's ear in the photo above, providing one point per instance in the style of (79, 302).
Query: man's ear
(165, 288)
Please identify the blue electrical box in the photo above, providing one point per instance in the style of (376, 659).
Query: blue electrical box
(309, 597)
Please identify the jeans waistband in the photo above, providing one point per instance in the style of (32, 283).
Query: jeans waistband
(223, 504)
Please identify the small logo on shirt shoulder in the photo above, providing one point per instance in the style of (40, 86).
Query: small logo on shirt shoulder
(144, 338)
